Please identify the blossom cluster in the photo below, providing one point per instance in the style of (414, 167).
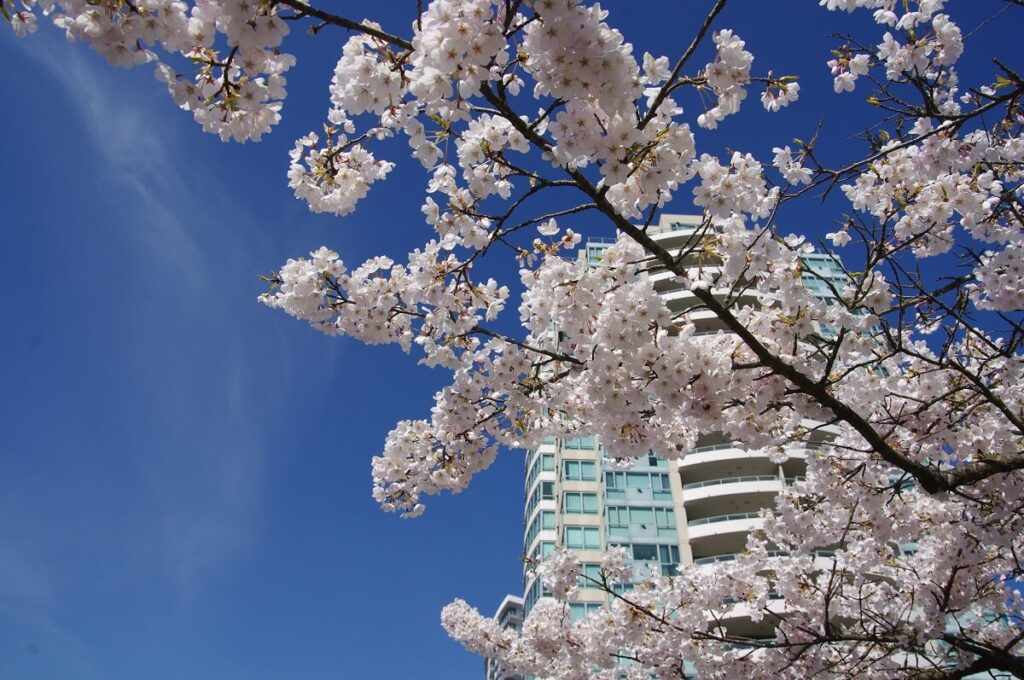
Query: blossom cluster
(728, 76)
(653, 348)
(333, 178)
(626, 363)
(234, 90)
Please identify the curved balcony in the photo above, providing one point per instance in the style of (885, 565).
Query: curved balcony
(662, 278)
(716, 559)
(717, 525)
(679, 233)
(822, 558)
(720, 453)
(680, 299)
(732, 557)
(730, 480)
(737, 617)
(731, 495)
(755, 465)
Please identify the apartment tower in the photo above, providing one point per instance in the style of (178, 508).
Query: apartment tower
(695, 511)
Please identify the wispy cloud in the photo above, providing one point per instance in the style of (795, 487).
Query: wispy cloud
(207, 475)
(131, 137)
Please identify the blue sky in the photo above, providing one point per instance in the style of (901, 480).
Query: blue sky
(184, 474)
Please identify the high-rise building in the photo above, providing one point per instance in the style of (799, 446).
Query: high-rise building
(509, 615)
(697, 510)
(694, 512)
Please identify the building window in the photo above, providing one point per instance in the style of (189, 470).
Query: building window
(645, 553)
(580, 443)
(580, 610)
(618, 521)
(579, 503)
(590, 575)
(543, 491)
(650, 521)
(665, 518)
(666, 555)
(542, 550)
(640, 484)
(545, 464)
(582, 538)
(655, 462)
(638, 480)
(580, 470)
(537, 591)
(547, 520)
(615, 485)
(661, 486)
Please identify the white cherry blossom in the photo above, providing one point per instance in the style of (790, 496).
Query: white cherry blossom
(897, 374)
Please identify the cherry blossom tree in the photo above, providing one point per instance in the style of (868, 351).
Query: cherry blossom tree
(908, 374)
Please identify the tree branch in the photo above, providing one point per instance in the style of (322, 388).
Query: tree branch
(335, 20)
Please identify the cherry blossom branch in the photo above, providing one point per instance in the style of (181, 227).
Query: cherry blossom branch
(694, 44)
(335, 20)
(930, 479)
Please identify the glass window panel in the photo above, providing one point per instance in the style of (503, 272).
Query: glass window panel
(547, 462)
(590, 575)
(574, 537)
(637, 480)
(573, 503)
(571, 469)
(590, 503)
(579, 610)
(641, 515)
(645, 553)
(588, 471)
(548, 520)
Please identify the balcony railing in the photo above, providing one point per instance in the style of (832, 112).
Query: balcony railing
(731, 480)
(812, 446)
(729, 557)
(724, 518)
(714, 447)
